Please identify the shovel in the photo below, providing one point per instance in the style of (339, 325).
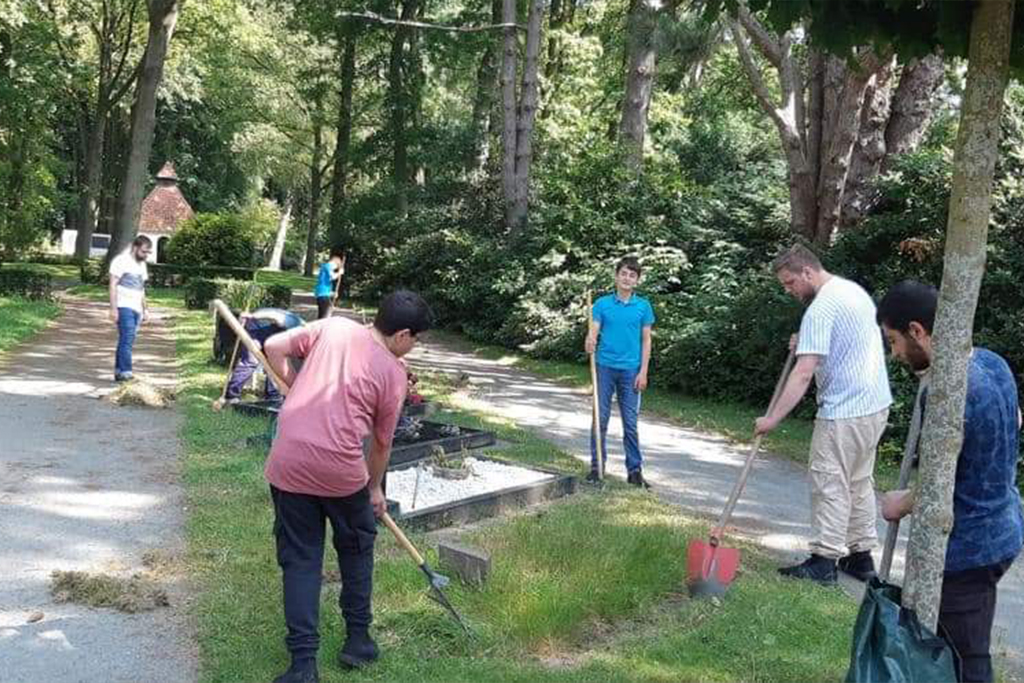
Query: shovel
(711, 567)
(436, 581)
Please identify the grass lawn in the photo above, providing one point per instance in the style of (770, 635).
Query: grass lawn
(287, 278)
(588, 589)
(21, 318)
(155, 296)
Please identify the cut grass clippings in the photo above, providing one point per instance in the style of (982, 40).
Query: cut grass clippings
(139, 392)
(587, 589)
(136, 593)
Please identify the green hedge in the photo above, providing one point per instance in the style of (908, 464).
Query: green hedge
(26, 283)
(239, 295)
(167, 274)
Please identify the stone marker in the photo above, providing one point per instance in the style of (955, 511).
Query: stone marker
(472, 565)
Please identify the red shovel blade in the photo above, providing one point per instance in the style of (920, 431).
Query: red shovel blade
(707, 562)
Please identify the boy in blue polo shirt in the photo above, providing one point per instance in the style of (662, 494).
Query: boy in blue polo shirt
(326, 284)
(621, 334)
(988, 527)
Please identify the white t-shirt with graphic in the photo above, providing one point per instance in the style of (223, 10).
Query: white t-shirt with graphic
(840, 326)
(131, 283)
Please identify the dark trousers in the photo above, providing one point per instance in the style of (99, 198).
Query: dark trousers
(323, 307)
(966, 612)
(299, 531)
(127, 326)
(246, 364)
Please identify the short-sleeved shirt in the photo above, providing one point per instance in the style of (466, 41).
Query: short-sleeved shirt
(840, 326)
(131, 277)
(325, 279)
(622, 323)
(988, 526)
(350, 387)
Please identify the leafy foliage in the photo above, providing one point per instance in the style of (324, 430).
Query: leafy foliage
(25, 283)
(211, 239)
(239, 295)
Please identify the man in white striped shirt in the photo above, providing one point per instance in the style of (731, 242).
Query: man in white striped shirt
(840, 346)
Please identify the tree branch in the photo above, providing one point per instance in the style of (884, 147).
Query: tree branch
(371, 16)
(768, 46)
(760, 89)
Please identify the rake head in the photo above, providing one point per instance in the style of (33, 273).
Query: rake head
(437, 583)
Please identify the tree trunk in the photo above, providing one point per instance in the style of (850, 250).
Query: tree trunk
(88, 202)
(508, 103)
(836, 165)
(869, 150)
(974, 160)
(641, 24)
(344, 138)
(483, 102)
(399, 107)
(163, 14)
(527, 117)
(911, 106)
(282, 233)
(315, 180)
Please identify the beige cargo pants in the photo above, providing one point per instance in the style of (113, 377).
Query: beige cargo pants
(842, 466)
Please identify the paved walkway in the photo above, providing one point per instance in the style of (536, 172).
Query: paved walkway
(691, 469)
(86, 485)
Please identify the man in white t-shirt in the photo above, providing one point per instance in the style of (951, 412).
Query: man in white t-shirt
(128, 275)
(840, 346)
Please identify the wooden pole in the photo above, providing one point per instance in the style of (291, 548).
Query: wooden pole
(337, 287)
(598, 446)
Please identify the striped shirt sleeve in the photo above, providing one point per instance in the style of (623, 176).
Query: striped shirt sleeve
(816, 331)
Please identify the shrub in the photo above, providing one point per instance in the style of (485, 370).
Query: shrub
(239, 295)
(26, 283)
(212, 239)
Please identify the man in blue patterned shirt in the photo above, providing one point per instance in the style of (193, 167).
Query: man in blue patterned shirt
(988, 526)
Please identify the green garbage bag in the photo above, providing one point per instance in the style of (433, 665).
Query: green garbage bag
(890, 645)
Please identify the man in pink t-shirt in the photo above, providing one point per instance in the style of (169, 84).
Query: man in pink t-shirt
(351, 389)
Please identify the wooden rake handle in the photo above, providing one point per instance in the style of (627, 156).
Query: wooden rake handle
(250, 344)
(595, 409)
(737, 488)
(402, 539)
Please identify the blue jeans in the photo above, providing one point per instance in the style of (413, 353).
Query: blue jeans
(127, 326)
(621, 383)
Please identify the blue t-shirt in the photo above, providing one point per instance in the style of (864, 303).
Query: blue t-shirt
(988, 526)
(323, 281)
(621, 324)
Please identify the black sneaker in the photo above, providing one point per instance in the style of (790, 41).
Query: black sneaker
(636, 478)
(358, 650)
(123, 377)
(816, 568)
(859, 565)
(593, 477)
(300, 672)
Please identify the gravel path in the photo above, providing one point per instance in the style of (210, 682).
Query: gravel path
(85, 485)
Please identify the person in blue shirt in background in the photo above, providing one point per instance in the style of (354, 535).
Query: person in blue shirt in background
(988, 526)
(327, 283)
(621, 335)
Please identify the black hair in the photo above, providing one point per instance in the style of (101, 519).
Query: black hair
(907, 302)
(403, 310)
(336, 252)
(630, 262)
(142, 241)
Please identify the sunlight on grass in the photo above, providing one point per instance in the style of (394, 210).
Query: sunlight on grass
(21, 318)
(587, 589)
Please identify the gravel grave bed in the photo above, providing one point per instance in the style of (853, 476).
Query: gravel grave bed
(487, 476)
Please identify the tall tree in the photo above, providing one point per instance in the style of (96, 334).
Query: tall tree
(399, 106)
(641, 61)
(163, 15)
(484, 98)
(836, 119)
(346, 38)
(519, 113)
(98, 39)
